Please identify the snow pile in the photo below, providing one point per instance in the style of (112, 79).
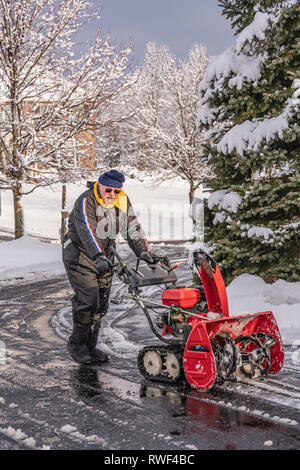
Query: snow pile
(19, 436)
(282, 292)
(72, 431)
(250, 294)
(25, 256)
(114, 340)
(268, 443)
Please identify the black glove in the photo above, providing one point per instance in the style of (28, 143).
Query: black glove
(150, 258)
(103, 264)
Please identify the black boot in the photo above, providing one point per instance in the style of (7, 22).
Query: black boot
(98, 356)
(78, 344)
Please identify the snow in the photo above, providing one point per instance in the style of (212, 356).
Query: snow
(224, 200)
(249, 135)
(19, 436)
(282, 292)
(235, 62)
(219, 218)
(244, 68)
(30, 258)
(161, 209)
(256, 29)
(264, 232)
(269, 236)
(250, 294)
(27, 256)
(72, 430)
(207, 116)
(68, 428)
(268, 443)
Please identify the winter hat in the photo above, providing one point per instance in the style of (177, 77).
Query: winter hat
(112, 178)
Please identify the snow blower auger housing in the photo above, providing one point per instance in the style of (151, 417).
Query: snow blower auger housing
(206, 345)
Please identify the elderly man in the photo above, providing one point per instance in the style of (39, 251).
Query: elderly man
(99, 214)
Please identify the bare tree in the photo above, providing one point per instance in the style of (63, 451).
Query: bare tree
(50, 93)
(166, 122)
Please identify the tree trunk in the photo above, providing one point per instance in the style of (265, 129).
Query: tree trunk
(191, 193)
(18, 211)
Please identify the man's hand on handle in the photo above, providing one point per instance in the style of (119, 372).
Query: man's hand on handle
(103, 264)
(149, 258)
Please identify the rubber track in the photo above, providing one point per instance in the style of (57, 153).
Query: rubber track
(163, 351)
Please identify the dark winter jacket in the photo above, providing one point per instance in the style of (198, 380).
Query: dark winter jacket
(93, 227)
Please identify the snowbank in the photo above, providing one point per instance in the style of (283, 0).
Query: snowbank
(249, 294)
(28, 256)
(162, 210)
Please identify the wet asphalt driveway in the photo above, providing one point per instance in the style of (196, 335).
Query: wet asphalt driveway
(49, 402)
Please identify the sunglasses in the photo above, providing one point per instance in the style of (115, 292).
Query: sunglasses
(110, 190)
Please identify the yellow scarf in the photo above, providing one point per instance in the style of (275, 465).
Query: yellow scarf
(120, 202)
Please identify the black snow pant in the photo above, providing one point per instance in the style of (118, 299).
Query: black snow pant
(91, 294)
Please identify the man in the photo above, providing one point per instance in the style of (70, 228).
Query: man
(99, 214)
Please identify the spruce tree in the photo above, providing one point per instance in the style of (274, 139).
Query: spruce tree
(251, 94)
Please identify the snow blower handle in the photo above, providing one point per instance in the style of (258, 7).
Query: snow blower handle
(116, 254)
(122, 265)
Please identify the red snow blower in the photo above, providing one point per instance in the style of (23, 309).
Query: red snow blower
(206, 345)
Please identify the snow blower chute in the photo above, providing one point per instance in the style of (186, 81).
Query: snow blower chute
(206, 345)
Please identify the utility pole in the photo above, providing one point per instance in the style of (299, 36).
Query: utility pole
(64, 212)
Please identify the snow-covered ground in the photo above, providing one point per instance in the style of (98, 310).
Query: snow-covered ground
(163, 212)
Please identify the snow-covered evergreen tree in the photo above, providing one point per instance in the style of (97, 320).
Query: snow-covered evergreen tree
(251, 94)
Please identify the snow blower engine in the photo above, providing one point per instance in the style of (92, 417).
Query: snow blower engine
(202, 344)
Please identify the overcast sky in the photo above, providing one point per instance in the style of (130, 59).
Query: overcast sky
(176, 23)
